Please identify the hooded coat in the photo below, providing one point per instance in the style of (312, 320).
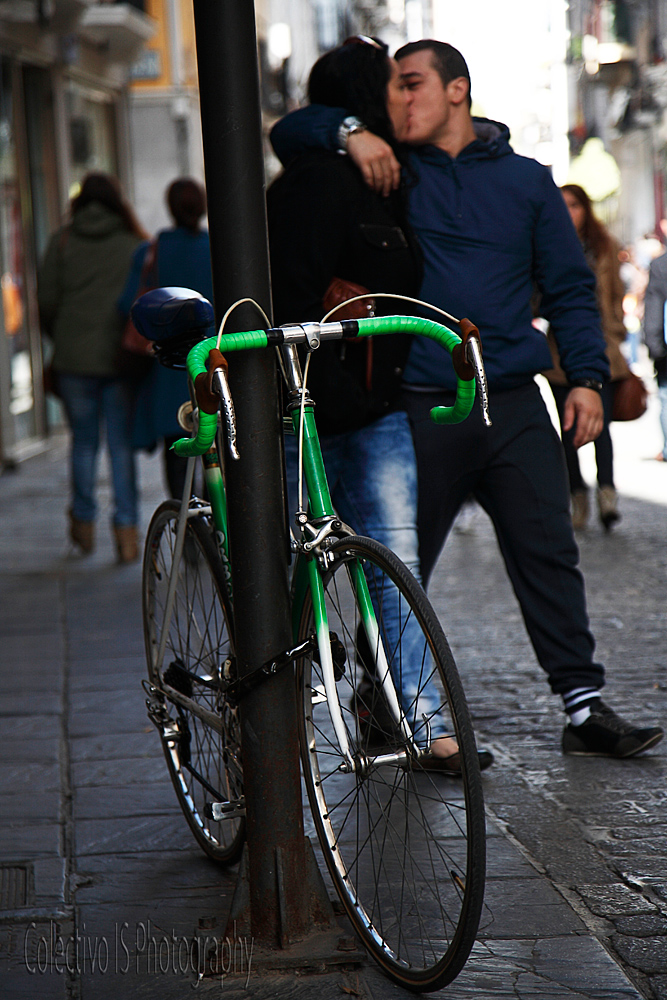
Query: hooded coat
(81, 276)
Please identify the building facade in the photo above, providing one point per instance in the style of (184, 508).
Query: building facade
(64, 67)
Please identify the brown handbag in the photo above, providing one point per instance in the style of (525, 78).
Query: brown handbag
(337, 294)
(630, 398)
(335, 297)
(132, 341)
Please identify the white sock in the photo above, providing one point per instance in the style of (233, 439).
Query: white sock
(578, 702)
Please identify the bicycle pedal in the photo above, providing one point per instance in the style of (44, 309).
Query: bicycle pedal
(225, 810)
(177, 677)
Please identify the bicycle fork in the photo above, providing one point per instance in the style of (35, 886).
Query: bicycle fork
(358, 762)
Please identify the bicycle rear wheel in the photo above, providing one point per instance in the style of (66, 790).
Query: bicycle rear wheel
(405, 847)
(199, 729)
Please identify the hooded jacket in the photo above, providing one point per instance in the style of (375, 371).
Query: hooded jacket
(655, 299)
(82, 275)
(491, 224)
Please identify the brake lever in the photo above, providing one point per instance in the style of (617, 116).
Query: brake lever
(474, 357)
(228, 410)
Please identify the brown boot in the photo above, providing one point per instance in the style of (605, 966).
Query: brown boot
(82, 533)
(608, 506)
(127, 545)
(580, 509)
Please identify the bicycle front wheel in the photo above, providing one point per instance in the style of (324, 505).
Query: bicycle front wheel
(404, 846)
(199, 729)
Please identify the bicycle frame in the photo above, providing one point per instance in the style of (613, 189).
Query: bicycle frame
(307, 570)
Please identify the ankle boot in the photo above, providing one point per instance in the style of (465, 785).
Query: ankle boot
(608, 506)
(127, 545)
(580, 511)
(82, 533)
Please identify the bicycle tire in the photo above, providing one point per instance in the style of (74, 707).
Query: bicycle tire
(404, 847)
(203, 755)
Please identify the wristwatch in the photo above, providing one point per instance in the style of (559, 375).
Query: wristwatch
(346, 128)
(586, 383)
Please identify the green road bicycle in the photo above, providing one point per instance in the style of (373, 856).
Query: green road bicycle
(404, 847)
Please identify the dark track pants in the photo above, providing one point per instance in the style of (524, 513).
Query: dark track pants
(516, 472)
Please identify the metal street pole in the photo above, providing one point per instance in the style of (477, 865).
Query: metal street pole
(231, 125)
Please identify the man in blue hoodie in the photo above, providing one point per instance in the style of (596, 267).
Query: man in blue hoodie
(493, 226)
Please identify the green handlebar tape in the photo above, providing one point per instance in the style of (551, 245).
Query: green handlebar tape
(463, 404)
(208, 422)
(199, 445)
(410, 324)
(465, 390)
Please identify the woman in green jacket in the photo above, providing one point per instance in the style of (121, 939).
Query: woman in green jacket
(82, 275)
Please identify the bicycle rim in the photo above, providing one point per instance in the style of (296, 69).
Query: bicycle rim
(405, 848)
(199, 730)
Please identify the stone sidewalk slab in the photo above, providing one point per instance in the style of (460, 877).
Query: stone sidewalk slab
(576, 904)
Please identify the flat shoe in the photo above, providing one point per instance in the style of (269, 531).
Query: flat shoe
(452, 765)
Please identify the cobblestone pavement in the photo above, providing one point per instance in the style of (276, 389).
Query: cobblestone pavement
(94, 853)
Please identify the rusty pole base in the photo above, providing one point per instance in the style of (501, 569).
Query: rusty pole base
(326, 946)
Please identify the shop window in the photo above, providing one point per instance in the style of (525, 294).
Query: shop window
(91, 125)
(19, 408)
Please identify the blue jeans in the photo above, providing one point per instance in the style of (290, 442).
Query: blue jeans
(89, 400)
(662, 396)
(372, 476)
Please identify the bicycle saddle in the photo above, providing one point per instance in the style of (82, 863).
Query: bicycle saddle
(175, 319)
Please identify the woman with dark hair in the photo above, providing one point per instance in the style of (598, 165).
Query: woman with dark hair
(82, 273)
(181, 257)
(324, 223)
(602, 254)
(328, 229)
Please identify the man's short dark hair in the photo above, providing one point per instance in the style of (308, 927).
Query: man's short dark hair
(447, 60)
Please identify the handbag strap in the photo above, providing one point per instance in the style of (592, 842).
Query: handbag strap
(148, 278)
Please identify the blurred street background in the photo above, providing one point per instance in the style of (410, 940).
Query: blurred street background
(112, 86)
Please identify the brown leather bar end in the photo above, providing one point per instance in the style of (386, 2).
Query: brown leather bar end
(208, 401)
(462, 366)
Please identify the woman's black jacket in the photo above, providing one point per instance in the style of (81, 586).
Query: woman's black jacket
(324, 222)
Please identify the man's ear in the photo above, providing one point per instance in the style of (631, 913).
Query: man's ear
(458, 90)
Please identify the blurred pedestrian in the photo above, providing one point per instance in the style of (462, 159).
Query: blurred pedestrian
(655, 336)
(80, 278)
(182, 257)
(602, 254)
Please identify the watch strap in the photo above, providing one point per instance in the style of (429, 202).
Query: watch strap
(586, 383)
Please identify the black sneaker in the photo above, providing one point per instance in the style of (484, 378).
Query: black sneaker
(604, 734)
